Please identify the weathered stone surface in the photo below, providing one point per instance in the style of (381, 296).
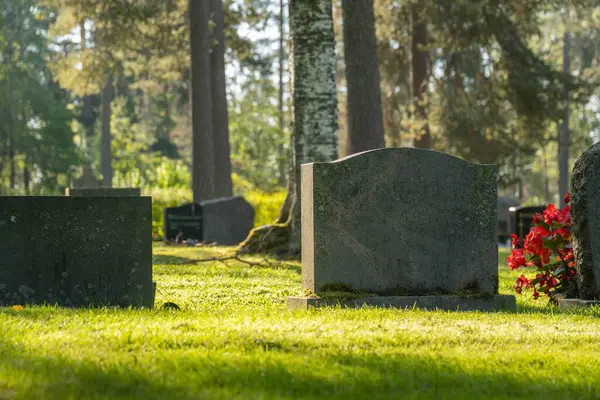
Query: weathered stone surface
(185, 220)
(76, 251)
(102, 192)
(444, 302)
(400, 221)
(585, 214)
(227, 220)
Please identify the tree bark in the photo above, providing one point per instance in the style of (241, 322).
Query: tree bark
(203, 183)
(314, 92)
(420, 77)
(563, 134)
(106, 151)
(222, 169)
(314, 133)
(365, 116)
(282, 158)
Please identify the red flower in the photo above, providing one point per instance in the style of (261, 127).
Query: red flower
(535, 294)
(550, 214)
(516, 259)
(567, 198)
(564, 215)
(515, 240)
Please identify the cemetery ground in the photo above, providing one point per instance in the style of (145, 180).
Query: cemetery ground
(233, 338)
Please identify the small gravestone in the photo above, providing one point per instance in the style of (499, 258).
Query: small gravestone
(585, 215)
(183, 223)
(76, 251)
(522, 219)
(504, 204)
(400, 227)
(227, 220)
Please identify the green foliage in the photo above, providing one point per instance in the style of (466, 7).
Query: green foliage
(266, 205)
(163, 198)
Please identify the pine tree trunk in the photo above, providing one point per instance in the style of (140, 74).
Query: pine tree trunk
(222, 169)
(420, 75)
(106, 151)
(563, 134)
(203, 183)
(365, 116)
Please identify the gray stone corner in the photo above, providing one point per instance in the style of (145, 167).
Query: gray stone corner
(488, 303)
(570, 304)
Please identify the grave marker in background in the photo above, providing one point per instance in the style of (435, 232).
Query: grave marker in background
(185, 221)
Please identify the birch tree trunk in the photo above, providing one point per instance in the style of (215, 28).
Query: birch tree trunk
(365, 116)
(220, 119)
(315, 128)
(314, 92)
(203, 184)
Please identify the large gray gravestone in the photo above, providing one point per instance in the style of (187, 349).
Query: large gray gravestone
(226, 220)
(585, 214)
(76, 251)
(403, 223)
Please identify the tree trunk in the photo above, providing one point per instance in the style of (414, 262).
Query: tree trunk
(106, 156)
(365, 116)
(203, 183)
(315, 97)
(420, 77)
(222, 169)
(282, 157)
(563, 134)
(87, 113)
(314, 134)
(26, 178)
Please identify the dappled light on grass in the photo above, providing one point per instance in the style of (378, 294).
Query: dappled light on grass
(233, 338)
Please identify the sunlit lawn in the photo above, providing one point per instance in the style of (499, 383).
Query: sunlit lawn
(233, 338)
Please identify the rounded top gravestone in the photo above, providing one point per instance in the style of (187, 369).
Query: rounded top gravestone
(585, 214)
(400, 221)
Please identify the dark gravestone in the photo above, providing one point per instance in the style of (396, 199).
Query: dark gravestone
(76, 251)
(184, 222)
(504, 205)
(585, 214)
(522, 219)
(227, 220)
(403, 223)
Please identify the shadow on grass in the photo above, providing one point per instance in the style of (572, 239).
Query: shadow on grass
(267, 370)
(167, 259)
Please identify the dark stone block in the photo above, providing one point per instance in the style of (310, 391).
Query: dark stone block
(103, 192)
(522, 219)
(585, 214)
(76, 251)
(227, 220)
(185, 221)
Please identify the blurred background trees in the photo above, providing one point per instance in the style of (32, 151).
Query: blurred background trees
(100, 92)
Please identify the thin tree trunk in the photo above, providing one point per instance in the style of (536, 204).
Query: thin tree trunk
(365, 116)
(315, 101)
(203, 165)
(106, 156)
(282, 158)
(87, 113)
(420, 75)
(563, 134)
(222, 169)
(26, 178)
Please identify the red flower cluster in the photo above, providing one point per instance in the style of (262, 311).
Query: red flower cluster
(550, 235)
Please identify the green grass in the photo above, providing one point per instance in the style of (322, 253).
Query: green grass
(233, 338)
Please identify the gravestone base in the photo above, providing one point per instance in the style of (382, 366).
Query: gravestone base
(497, 302)
(569, 304)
